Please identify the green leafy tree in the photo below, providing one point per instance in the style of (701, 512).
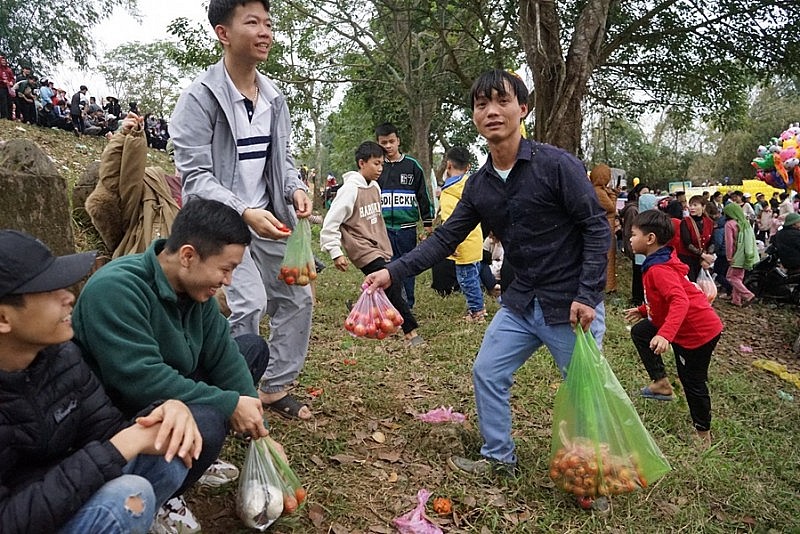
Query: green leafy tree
(43, 34)
(147, 73)
(697, 58)
(423, 54)
(664, 158)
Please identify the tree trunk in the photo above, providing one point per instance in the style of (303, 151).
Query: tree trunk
(317, 185)
(421, 113)
(561, 84)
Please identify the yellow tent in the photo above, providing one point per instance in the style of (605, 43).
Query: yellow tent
(751, 186)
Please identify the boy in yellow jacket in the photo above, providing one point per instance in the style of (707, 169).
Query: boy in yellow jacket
(469, 253)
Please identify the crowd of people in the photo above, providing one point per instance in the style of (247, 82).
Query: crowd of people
(707, 232)
(142, 389)
(29, 99)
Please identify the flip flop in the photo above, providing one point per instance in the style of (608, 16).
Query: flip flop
(648, 394)
(288, 407)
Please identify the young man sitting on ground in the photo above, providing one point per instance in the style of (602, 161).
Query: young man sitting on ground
(69, 461)
(151, 330)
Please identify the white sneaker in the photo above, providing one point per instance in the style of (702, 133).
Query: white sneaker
(175, 518)
(219, 473)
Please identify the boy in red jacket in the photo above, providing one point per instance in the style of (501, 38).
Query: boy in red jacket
(675, 312)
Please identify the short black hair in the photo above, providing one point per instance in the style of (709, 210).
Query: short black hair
(368, 150)
(207, 225)
(674, 209)
(496, 80)
(386, 128)
(15, 301)
(84, 88)
(655, 222)
(221, 11)
(459, 157)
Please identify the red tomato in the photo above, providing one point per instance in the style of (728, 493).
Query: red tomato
(380, 334)
(289, 280)
(371, 329)
(387, 326)
(360, 330)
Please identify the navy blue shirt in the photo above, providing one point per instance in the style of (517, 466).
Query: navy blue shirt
(554, 233)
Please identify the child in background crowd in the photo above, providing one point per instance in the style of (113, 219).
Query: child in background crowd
(675, 313)
(354, 222)
(741, 251)
(468, 254)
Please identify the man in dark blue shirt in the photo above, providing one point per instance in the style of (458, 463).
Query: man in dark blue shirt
(537, 199)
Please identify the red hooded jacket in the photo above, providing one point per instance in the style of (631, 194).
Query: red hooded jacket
(675, 305)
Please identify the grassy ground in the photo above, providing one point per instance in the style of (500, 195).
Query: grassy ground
(364, 456)
(748, 481)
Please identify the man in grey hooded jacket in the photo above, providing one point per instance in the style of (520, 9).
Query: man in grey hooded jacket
(231, 131)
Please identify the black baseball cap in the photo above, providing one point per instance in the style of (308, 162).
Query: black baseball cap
(28, 266)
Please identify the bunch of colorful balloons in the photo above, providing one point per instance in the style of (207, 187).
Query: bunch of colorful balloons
(778, 163)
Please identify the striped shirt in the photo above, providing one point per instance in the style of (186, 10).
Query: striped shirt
(252, 128)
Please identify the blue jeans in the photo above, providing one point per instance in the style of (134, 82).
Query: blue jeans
(487, 277)
(211, 422)
(468, 276)
(404, 240)
(509, 341)
(149, 478)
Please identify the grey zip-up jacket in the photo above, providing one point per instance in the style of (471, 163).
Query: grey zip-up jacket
(205, 145)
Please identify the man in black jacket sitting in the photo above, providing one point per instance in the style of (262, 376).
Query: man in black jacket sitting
(69, 461)
(787, 241)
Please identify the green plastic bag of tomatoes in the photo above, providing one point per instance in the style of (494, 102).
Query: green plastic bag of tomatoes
(294, 494)
(373, 316)
(298, 266)
(599, 446)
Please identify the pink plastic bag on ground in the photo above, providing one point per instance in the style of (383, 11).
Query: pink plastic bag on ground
(441, 415)
(415, 521)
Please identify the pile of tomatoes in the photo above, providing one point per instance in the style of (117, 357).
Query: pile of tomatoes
(588, 470)
(373, 322)
(301, 276)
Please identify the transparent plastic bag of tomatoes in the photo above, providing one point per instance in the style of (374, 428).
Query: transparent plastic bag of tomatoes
(599, 444)
(298, 267)
(294, 495)
(706, 284)
(373, 316)
(259, 501)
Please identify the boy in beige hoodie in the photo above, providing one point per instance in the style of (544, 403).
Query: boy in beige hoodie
(354, 223)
